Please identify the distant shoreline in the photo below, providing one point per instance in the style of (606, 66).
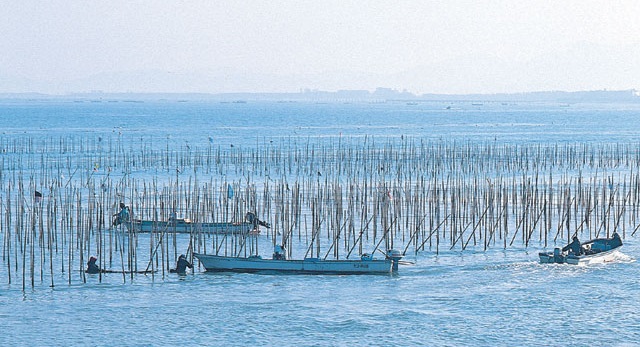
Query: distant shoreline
(379, 95)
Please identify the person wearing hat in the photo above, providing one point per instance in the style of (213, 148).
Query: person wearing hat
(92, 267)
(181, 265)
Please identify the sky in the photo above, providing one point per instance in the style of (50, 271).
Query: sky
(444, 47)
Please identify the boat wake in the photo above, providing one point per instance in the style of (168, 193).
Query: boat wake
(619, 257)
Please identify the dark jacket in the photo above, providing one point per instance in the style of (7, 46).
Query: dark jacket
(182, 265)
(92, 267)
(574, 247)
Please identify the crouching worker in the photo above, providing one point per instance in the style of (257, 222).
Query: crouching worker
(616, 241)
(253, 219)
(574, 247)
(92, 267)
(121, 216)
(181, 265)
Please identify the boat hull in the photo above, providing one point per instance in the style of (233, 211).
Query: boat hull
(593, 252)
(181, 226)
(599, 258)
(306, 266)
(602, 257)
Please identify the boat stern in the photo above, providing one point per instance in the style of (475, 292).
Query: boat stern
(552, 257)
(395, 256)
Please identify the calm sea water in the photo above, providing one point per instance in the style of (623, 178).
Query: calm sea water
(470, 298)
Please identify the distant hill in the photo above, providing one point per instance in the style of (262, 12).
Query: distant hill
(596, 96)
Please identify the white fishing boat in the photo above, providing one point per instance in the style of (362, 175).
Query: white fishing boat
(600, 250)
(279, 264)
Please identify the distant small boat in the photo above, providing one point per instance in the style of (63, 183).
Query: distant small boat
(600, 250)
(279, 264)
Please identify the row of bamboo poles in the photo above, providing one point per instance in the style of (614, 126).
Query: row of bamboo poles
(324, 197)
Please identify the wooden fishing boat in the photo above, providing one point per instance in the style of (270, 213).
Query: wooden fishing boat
(279, 264)
(184, 225)
(600, 250)
(142, 272)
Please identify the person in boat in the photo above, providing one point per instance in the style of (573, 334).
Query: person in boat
(615, 240)
(181, 265)
(253, 219)
(574, 247)
(279, 253)
(92, 267)
(122, 216)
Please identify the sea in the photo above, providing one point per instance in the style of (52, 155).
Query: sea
(473, 297)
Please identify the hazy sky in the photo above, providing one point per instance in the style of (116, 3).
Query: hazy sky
(279, 46)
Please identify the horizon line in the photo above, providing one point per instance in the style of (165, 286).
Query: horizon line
(306, 91)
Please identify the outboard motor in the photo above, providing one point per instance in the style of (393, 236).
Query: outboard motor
(395, 256)
(557, 257)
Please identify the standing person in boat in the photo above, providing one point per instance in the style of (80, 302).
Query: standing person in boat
(122, 216)
(181, 265)
(574, 247)
(92, 267)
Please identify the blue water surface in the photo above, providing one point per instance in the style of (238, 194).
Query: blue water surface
(473, 297)
(493, 298)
